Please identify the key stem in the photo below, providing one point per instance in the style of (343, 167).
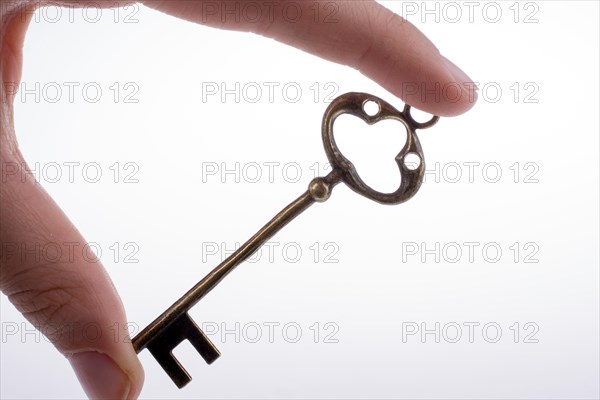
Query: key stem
(319, 190)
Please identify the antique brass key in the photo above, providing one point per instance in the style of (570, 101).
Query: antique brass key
(175, 325)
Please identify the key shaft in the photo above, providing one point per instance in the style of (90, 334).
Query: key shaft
(319, 190)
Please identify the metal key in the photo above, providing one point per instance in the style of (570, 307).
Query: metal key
(175, 325)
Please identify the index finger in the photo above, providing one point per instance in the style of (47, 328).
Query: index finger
(361, 34)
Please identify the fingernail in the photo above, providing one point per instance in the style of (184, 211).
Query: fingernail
(100, 376)
(459, 75)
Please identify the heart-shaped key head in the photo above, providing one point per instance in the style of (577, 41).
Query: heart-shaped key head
(411, 174)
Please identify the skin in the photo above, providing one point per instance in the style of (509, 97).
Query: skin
(61, 297)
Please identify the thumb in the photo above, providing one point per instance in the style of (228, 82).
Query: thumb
(54, 279)
(46, 269)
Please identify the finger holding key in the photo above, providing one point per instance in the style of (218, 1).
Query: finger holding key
(361, 34)
(65, 296)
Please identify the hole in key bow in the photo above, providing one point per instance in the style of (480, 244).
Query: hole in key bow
(419, 116)
(412, 161)
(371, 108)
(372, 149)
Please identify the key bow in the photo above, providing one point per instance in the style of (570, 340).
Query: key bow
(354, 104)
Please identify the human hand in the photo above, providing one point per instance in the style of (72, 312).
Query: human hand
(70, 294)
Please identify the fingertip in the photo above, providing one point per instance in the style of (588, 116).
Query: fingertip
(103, 377)
(468, 90)
(436, 86)
(134, 370)
(136, 376)
(100, 376)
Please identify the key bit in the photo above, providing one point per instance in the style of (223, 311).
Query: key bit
(175, 325)
(162, 345)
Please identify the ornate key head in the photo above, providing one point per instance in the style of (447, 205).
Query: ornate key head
(354, 104)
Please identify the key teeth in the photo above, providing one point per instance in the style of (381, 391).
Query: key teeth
(161, 347)
(203, 345)
(172, 367)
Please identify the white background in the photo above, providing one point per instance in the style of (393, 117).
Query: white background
(377, 289)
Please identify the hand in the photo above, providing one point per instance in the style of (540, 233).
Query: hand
(66, 295)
